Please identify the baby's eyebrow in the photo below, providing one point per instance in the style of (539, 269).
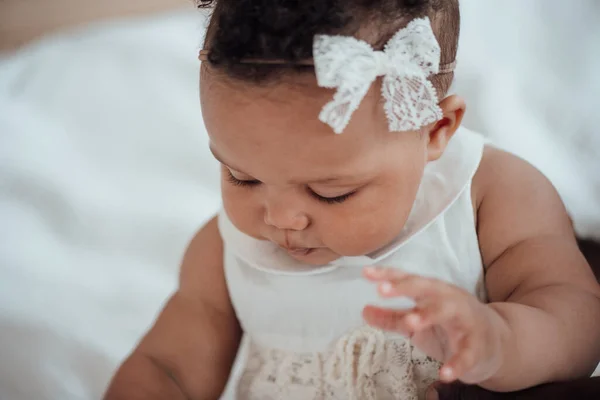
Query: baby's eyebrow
(220, 159)
(342, 180)
(215, 155)
(331, 179)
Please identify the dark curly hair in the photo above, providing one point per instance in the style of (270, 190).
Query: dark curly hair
(284, 30)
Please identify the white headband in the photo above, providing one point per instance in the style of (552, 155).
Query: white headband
(351, 66)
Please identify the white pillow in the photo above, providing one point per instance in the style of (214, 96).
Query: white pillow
(529, 72)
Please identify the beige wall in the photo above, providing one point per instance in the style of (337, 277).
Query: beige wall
(24, 20)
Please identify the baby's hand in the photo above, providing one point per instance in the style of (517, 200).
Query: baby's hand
(447, 324)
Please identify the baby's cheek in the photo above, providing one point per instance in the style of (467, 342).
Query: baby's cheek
(242, 211)
(365, 232)
(381, 231)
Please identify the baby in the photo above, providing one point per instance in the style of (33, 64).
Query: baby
(368, 245)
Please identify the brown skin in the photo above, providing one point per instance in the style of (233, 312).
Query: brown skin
(269, 139)
(537, 281)
(294, 156)
(189, 352)
(586, 388)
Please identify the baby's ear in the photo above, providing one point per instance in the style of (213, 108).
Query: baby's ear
(442, 131)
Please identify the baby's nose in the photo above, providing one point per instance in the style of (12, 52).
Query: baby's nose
(284, 214)
(286, 219)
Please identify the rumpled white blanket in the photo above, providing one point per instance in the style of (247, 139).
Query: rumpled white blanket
(105, 172)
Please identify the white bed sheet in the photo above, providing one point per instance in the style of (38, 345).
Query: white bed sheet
(105, 175)
(105, 171)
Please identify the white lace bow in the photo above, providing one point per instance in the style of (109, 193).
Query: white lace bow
(351, 66)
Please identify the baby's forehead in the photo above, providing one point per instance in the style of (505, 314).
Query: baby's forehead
(282, 89)
(273, 133)
(298, 98)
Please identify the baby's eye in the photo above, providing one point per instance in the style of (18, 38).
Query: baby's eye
(333, 200)
(241, 182)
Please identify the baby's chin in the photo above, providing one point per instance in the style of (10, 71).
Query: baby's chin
(316, 257)
(319, 257)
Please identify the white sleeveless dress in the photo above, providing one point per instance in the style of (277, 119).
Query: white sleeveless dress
(306, 336)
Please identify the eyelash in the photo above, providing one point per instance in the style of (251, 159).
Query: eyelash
(329, 200)
(238, 182)
(333, 200)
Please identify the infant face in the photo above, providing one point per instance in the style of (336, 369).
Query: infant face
(287, 178)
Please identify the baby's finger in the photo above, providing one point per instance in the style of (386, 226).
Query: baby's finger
(415, 287)
(439, 312)
(461, 363)
(389, 320)
(378, 274)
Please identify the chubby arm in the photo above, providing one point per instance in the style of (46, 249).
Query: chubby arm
(189, 352)
(537, 279)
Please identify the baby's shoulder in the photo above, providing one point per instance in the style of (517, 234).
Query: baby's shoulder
(503, 174)
(514, 202)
